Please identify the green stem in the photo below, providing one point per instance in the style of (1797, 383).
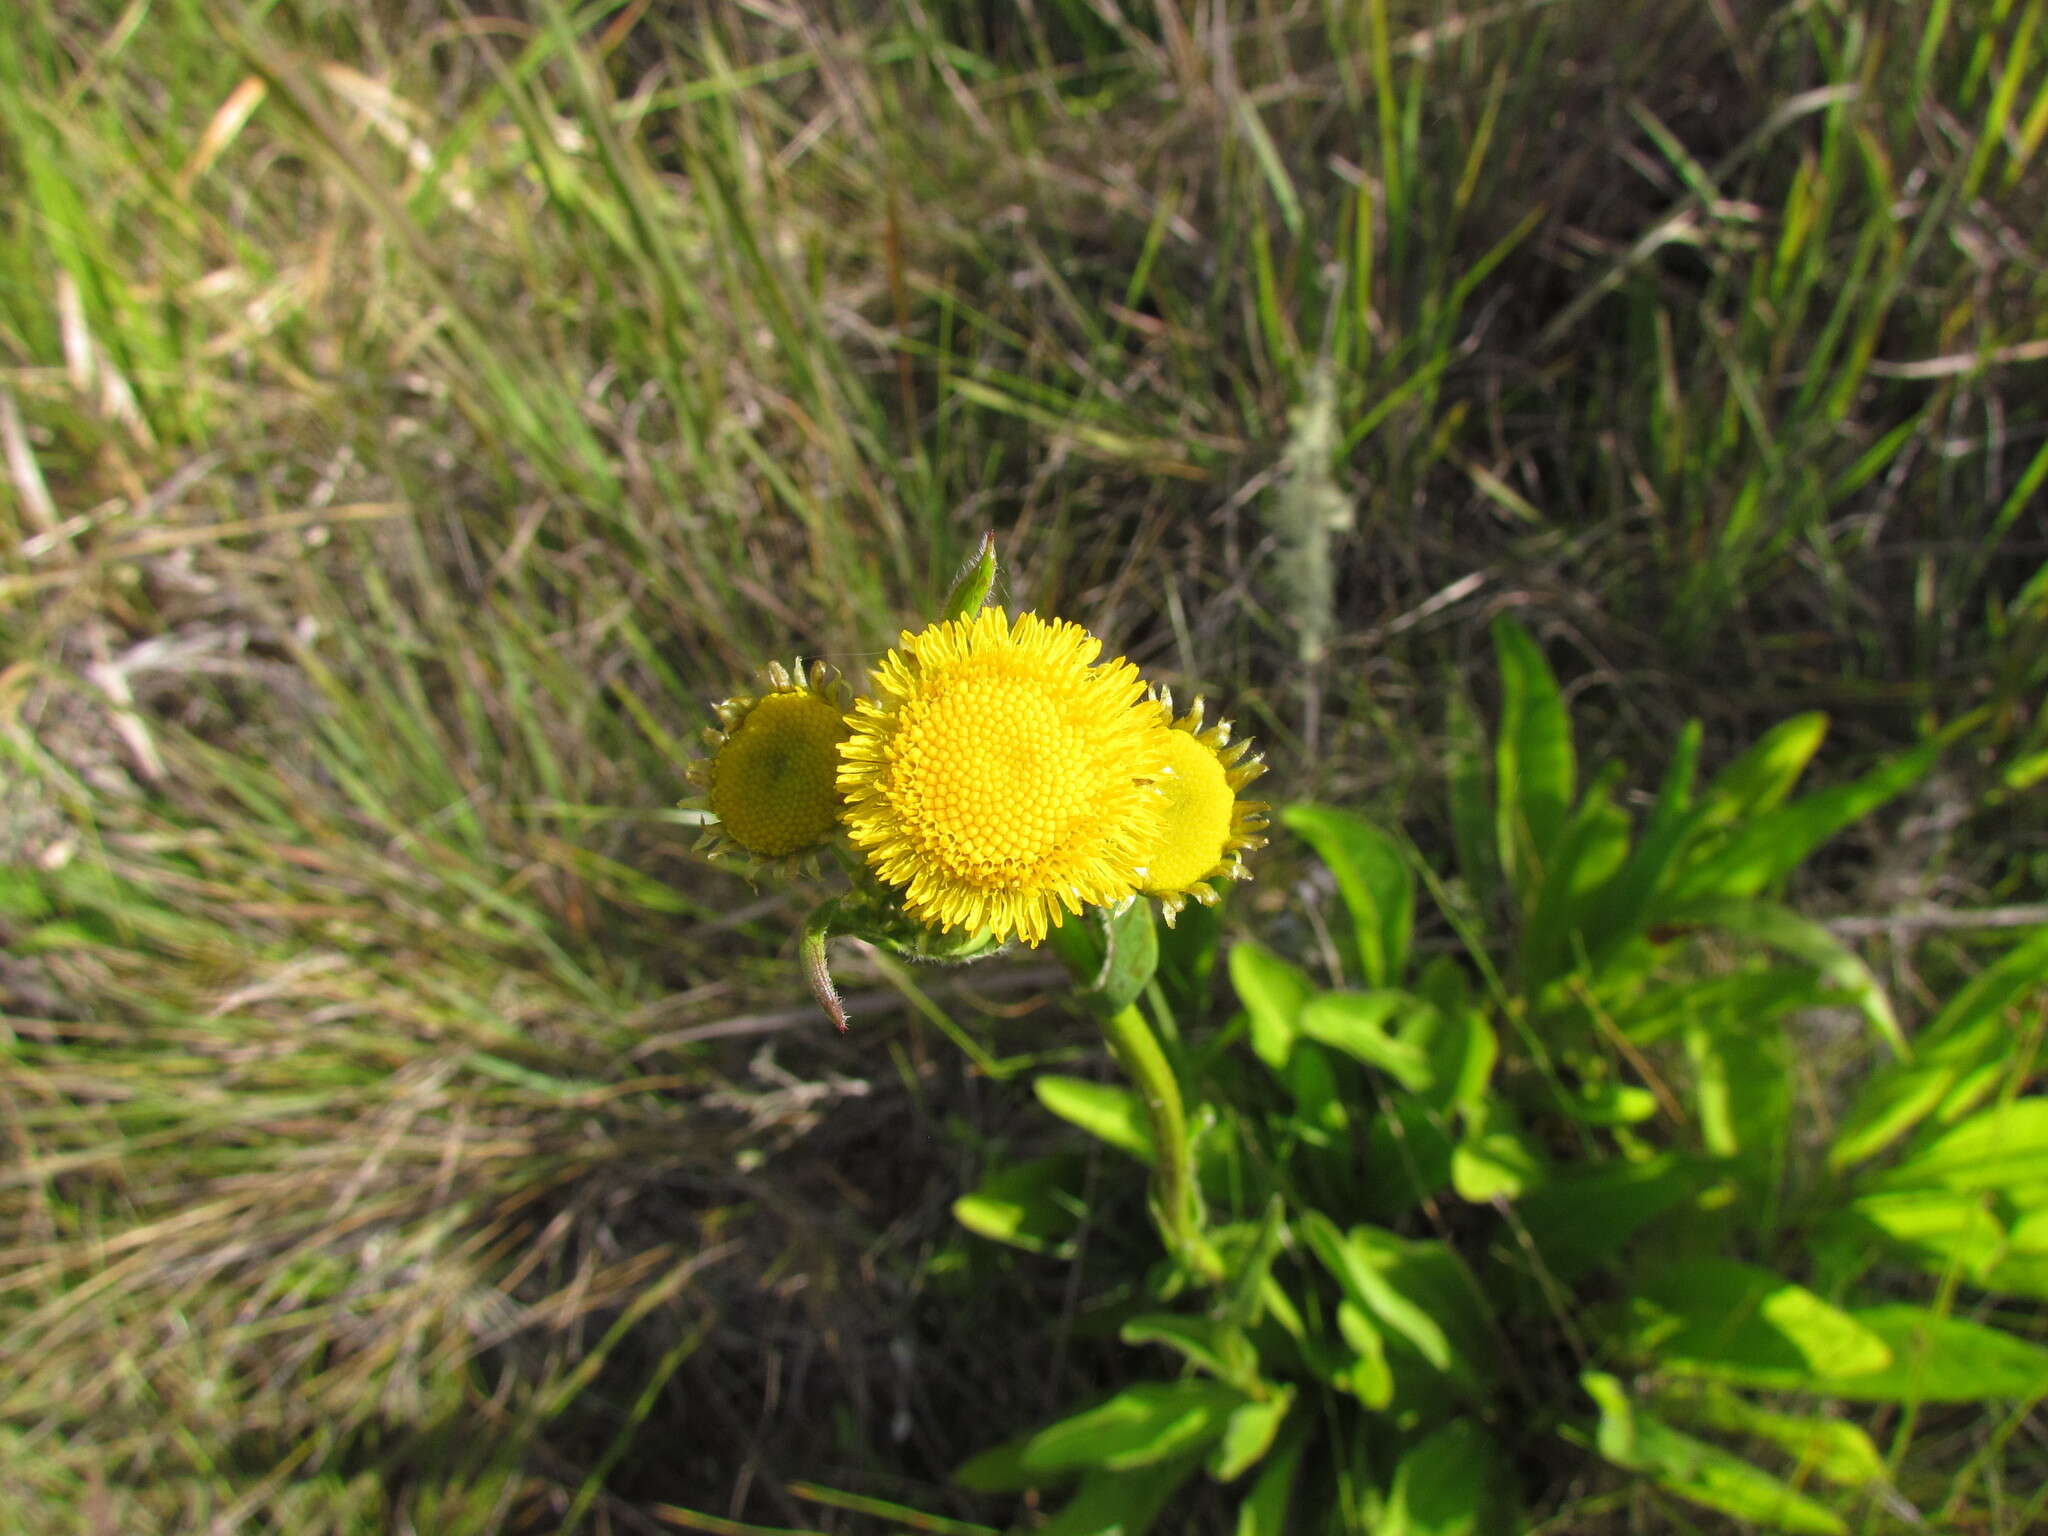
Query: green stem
(1137, 1048)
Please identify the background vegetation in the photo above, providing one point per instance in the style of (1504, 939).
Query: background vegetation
(415, 415)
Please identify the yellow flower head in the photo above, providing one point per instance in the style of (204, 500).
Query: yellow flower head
(1207, 829)
(1001, 777)
(770, 777)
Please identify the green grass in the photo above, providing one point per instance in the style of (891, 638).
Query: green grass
(420, 417)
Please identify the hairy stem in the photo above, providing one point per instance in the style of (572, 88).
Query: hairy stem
(1137, 1049)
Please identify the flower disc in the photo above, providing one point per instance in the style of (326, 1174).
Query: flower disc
(1206, 829)
(771, 782)
(1001, 777)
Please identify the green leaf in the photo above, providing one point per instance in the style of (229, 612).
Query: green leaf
(1605, 1102)
(1407, 1156)
(1027, 1205)
(1461, 1049)
(1103, 1110)
(1535, 768)
(1455, 1483)
(1356, 1023)
(1938, 1359)
(1495, 1160)
(1633, 1438)
(1948, 1073)
(1110, 954)
(1763, 776)
(1751, 1000)
(1582, 1218)
(2000, 1148)
(1587, 855)
(1149, 1422)
(1744, 1088)
(1120, 1503)
(1248, 1435)
(1736, 1322)
(1188, 949)
(1618, 912)
(1831, 1448)
(1248, 1254)
(1219, 1348)
(1133, 957)
(1273, 992)
(1471, 800)
(1936, 1227)
(1374, 880)
(1768, 846)
(1418, 1291)
(1793, 935)
(1944, 1231)
(1366, 1376)
(1264, 1511)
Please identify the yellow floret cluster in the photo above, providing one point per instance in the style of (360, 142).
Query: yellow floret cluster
(999, 777)
(771, 785)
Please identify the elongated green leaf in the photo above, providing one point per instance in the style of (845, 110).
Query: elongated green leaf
(1374, 880)
(1273, 992)
(1580, 1219)
(1147, 1423)
(1955, 1058)
(1454, 1483)
(1535, 767)
(1248, 1253)
(1831, 1448)
(1248, 1435)
(1972, 1234)
(1462, 1049)
(1407, 1156)
(1793, 935)
(1103, 1110)
(1361, 1025)
(1264, 1511)
(1618, 912)
(1610, 1103)
(1495, 1160)
(1768, 846)
(1749, 1000)
(1133, 957)
(1366, 1376)
(1633, 1438)
(1122, 1503)
(1110, 954)
(1938, 1359)
(1763, 776)
(1997, 1149)
(1736, 1322)
(1587, 854)
(1469, 783)
(1743, 1086)
(1217, 1347)
(1418, 1291)
(1027, 1205)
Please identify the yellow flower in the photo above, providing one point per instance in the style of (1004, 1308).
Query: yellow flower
(1207, 829)
(1001, 777)
(770, 777)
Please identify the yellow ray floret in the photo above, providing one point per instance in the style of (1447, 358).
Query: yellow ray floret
(1206, 829)
(770, 779)
(1001, 777)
